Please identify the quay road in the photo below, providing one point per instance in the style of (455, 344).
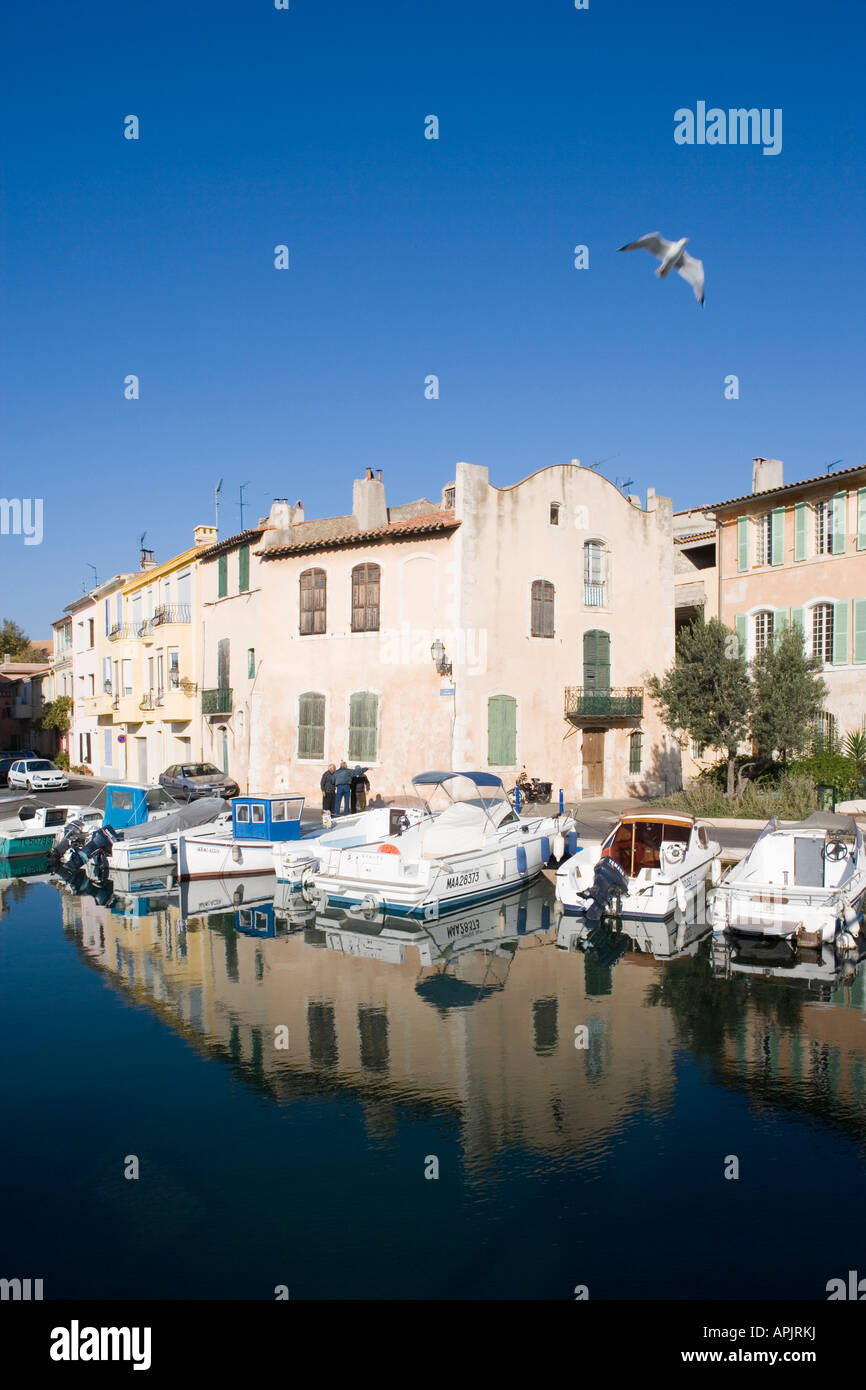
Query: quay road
(594, 818)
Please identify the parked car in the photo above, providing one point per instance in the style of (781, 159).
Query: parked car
(7, 759)
(186, 781)
(36, 774)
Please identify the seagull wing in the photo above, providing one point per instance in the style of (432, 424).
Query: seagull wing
(652, 242)
(692, 270)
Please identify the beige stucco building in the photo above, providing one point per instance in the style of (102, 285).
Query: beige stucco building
(552, 601)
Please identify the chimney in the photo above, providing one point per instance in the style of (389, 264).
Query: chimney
(766, 474)
(204, 535)
(368, 502)
(147, 561)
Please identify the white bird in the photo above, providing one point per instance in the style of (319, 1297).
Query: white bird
(672, 257)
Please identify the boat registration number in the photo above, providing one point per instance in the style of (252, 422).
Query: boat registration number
(461, 880)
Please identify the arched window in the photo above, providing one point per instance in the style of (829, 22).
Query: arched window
(311, 725)
(763, 630)
(502, 731)
(542, 608)
(314, 600)
(364, 725)
(822, 631)
(365, 598)
(593, 574)
(596, 661)
(635, 751)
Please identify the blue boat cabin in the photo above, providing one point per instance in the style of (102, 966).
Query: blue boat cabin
(267, 817)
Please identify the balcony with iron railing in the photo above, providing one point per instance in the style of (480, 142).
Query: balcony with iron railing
(593, 595)
(152, 699)
(581, 702)
(121, 630)
(171, 613)
(217, 701)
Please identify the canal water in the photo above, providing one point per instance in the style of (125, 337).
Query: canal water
(493, 1107)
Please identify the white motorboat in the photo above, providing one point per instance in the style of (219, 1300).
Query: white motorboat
(797, 881)
(245, 842)
(651, 865)
(820, 969)
(643, 941)
(469, 846)
(38, 828)
(151, 845)
(292, 857)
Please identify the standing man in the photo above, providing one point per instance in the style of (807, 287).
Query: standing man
(343, 785)
(360, 787)
(327, 785)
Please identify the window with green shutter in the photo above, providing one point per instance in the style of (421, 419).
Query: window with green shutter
(742, 543)
(311, 725)
(243, 569)
(840, 524)
(502, 731)
(798, 619)
(222, 576)
(840, 632)
(777, 533)
(363, 727)
(251, 662)
(801, 514)
(741, 624)
(859, 629)
(635, 751)
(596, 661)
(861, 519)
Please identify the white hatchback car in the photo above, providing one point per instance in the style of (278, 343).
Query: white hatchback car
(37, 774)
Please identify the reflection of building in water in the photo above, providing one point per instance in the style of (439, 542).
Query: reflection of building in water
(798, 1038)
(505, 1061)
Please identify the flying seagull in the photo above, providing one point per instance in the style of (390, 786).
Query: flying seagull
(672, 257)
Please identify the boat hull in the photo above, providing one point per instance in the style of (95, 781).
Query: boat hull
(216, 857)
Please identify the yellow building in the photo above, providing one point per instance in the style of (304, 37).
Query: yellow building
(148, 661)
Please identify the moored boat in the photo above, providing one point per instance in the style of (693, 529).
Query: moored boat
(469, 846)
(37, 828)
(804, 881)
(244, 846)
(652, 864)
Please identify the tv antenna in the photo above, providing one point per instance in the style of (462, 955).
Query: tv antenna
(241, 501)
(599, 462)
(834, 463)
(216, 504)
(624, 484)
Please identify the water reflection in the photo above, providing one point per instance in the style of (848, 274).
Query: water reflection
(481, 1004)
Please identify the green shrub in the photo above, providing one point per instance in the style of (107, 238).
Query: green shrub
(62, 759)
(792, 797)
(833, 768)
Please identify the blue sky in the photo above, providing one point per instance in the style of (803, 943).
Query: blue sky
(410, 257)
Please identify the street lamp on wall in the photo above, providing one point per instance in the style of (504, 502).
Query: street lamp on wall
(440, 658)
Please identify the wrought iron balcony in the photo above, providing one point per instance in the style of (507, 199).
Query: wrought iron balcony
(593, 595)
(626, 702)
(217, 701)
(171, 613)
(123, 630)
(153, 699)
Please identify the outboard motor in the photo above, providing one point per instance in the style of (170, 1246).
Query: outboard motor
(69, 849)
(610, 881)
(99, 846)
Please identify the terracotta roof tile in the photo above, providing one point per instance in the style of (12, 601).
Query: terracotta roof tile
(331, 532)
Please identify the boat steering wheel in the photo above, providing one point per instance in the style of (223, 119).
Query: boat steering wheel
(673, 852)
(835, 850)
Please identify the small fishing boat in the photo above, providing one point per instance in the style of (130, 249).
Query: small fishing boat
(651, 865)
(291, 857)
(154, 845)
(805, 882)
(244, 844)
(469, 846)
(37, 828)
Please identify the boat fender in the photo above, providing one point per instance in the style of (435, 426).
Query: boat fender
(387, 849)
(572, 842)
(501, 865)
(237, 853)
(845, 941)
(680, 895)
(545, 849)
(521, 859)
(558, 845)
(715, 872)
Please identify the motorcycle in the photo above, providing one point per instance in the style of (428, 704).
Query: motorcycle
(531, 790)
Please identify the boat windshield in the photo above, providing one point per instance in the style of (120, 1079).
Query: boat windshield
(158, 799)
(636, 845)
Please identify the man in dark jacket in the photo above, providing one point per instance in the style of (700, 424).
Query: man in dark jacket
(327, 785)
(343, 787)
(360, 787)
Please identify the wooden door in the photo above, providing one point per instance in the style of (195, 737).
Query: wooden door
(593, 762)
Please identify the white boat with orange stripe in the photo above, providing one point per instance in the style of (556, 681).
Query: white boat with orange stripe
(651, 864)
